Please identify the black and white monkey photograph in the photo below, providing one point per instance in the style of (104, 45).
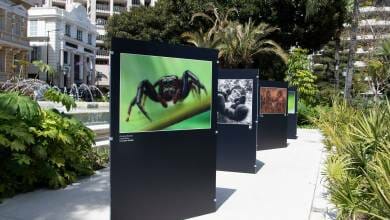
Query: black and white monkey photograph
(234, 102)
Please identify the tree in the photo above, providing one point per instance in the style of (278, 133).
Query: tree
(202, 39)
(21, 64)
(384, 50)
(241, 44)
(300, 76)
(378, 76)
(167, 20)
(211, 38)
(352, 50)
(45, 68)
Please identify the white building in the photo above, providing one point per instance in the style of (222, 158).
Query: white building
(373, 28)
(13, 40)
(65, 39)
(99, 11)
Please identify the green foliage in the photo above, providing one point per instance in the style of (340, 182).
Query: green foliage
(44, 68)
(242, 44)
(20, 106)
(358, 165)
(167, 20)
(41, 148)
(57, 96)
(202, 39)
(384, 50)
(299, 76)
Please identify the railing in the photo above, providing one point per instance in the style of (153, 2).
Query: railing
(135, 2)
(119, 8)
(101, 37)
(101, 22)
(13, 38)
(102, 7)
(102, 53)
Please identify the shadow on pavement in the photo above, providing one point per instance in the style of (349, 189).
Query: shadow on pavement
(222, 195)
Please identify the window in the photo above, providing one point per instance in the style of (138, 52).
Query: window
(2, 19)
(2, 61)
(33, 27)
(67, 30)
(65, 57)
(90, 39)
(79, 35)
(135, 2)
(17, 28)
(36, 54)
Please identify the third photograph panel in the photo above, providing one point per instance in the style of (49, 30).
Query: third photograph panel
(273, 100)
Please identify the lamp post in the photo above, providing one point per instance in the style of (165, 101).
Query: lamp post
(47, 51)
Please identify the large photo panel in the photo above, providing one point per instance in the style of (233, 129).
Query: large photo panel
(234, 102)
(273, 100)
(164, 93)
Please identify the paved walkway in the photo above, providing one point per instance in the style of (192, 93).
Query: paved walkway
(282, 189)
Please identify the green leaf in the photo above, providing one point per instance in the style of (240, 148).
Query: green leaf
(17, 146)
(22, 159)
(20, 106)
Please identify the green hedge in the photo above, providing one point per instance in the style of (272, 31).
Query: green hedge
(41, 148)
(357, 169)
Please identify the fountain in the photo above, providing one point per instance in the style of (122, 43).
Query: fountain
(87, 111)
(74, 92)
(31, 87)
(85, 93)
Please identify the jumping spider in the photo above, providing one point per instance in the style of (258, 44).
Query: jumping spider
(167, 88)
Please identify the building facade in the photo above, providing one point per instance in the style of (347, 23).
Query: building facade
(14, 45)
(373, 28)
(66, 40)
(99, 11)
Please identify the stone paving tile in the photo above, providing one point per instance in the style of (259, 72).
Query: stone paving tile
(282, 189)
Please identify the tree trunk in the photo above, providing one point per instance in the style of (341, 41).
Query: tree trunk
(352, 50)
(337, 60)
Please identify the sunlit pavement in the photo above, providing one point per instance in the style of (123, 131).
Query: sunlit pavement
(282, 189)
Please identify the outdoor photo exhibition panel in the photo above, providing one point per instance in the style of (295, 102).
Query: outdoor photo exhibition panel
(163, 128)
(292, 118)
(272, 126)
(236, 107)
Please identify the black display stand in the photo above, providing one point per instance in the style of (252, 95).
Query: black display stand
(166, 174)
(236, 143)
(292, 118)
(272, 128)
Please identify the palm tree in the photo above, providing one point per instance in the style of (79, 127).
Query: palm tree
(220, 20)
(241, 44)
(45, 68)
(21, 64)
(384, 50)
(202, 39)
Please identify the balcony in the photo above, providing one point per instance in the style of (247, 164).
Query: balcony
(101, 37)
(5, 36)
(103, 8)
(119, 9)
(100, 21)
(60, 1)
(102, 54)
